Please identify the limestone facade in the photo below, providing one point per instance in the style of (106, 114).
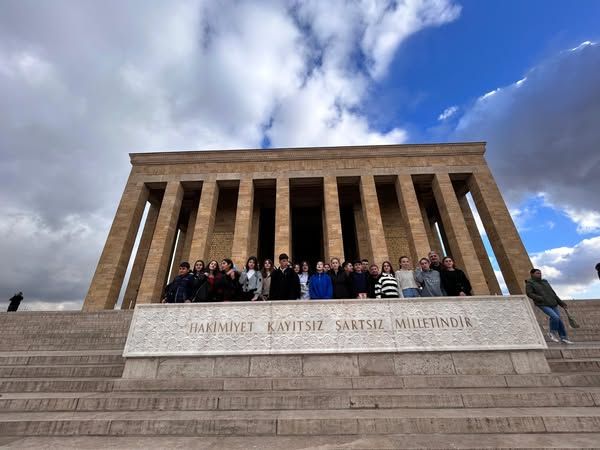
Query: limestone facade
(378, 202)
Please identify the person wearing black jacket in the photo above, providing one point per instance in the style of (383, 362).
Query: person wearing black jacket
(285, 284)
(454, 281)
(227, 285)
(342, 283)
(180, 289)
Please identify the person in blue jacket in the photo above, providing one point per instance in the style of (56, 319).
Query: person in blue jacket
(319, 284)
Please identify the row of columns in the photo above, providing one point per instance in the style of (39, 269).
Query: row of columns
(151, 265)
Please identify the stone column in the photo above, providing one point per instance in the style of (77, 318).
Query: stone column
(411, 211)
(372, 218)
(137, 270)
(189, 233)
(255, 231)
(243, 222)
(158, 260)
(459, 239)
(177, 254)
(484, 260)
(282, 219)
(205, 221)
(332, 231)
(110, 272)
(508, 248)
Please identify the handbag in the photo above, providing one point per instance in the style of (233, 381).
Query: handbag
(572, 321)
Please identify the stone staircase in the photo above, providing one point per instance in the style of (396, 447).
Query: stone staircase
(61, 386)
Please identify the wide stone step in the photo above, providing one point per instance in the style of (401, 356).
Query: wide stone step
(85, 370)
(56, 384)
(363, 382)
(358, 441)
(299, 400)
(575, 365)
(56, 358)
(307, 422)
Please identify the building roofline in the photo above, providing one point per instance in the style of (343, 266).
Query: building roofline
(299, 153)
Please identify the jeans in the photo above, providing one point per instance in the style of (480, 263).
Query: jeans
(410, 293)
(556, 323)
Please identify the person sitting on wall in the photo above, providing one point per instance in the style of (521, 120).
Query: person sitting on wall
(434, 261)
(454, 281)
(180, 289)
(372, 280)
(319, 284)
(544, 297)
(15, 301)
(285, 284)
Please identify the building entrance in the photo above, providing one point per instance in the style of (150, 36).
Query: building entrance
(307, 235)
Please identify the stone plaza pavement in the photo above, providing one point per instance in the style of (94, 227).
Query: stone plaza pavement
(61, 387)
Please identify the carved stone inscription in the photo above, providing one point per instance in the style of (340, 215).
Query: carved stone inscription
(334, 326)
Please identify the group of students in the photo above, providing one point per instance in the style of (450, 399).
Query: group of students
(224, 282)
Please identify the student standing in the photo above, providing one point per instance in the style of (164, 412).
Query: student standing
(267, 270)
(319, 285)
(200, 284)
(372, 279)
(251, 280)
(227, 284)
(359, 281)
(434, 261)
(213, 273)
(544, 297)
(285, 284)
(180, 289)
(454, 281)
(387, 285)
(342, 284)
(406, 279)
(304, 277)
(429, 279)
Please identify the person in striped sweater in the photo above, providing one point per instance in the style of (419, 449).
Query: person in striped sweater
(386, 285)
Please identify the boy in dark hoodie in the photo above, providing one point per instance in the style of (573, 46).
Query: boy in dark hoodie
(180, 289)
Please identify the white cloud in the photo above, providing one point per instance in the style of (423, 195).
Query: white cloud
(448, 112)
(83, 84)
(587, 221)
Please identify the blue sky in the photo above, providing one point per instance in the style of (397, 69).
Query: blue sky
(83, 83)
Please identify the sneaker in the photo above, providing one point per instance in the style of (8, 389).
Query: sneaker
(566, 341)
(553, 337)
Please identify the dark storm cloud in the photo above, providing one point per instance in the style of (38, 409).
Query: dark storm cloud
(542, 132)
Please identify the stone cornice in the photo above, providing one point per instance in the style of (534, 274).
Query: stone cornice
(304, 153)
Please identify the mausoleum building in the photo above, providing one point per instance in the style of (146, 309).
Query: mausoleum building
(377, 202)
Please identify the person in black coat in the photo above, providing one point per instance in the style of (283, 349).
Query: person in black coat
(180, 289)
(227, 285)
(342, 283)
(454, 281)
(15, 301)
(285, 284)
